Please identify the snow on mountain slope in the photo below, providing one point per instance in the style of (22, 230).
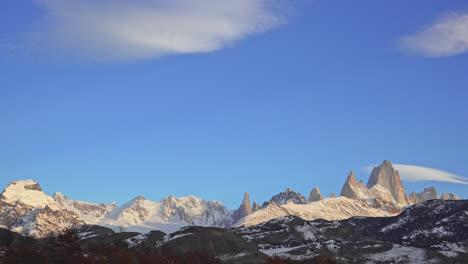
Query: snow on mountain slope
(142, 215)
(329, 209)
(29, 193)
(197, 211)
(168, 215)
(91, 213)
(26, 209)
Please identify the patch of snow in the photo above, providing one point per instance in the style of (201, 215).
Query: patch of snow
(307, 232)
(399, 254)
(227, 257)
(86, 235)
(169, 237)
(440, 231)
(279, 251)
(451, 249)
(135, 241)
(372, 246)
(331, 245)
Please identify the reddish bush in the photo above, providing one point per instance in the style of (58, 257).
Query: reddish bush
(325, 260)
(278, 260)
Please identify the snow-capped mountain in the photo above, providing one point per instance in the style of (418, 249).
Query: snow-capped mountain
(26, 209)
(88, 212)
(141, 215)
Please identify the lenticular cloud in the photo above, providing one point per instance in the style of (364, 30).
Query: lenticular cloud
(123, 29)
(418, 173)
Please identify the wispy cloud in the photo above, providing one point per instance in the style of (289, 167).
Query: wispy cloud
(447, 36)
(121, 29)
(418, 173)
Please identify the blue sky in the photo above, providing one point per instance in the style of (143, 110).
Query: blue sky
(105, 104)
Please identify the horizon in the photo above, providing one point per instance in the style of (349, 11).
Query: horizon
(214, 98)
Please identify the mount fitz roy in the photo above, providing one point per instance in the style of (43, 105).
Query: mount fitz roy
(26, 209)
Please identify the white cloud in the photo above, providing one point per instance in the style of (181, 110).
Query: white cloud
(418, 173)
(447, 36)
(122, 29)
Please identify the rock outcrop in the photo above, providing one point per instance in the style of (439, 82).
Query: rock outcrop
(428, 194)
(358, 190)
(244, 209)
(413, 197)
(354, 189)
(449, 196)
(315, 195)
(255, 206)
(332, 195)
(386, 176)
(287, 196)
(385, 184)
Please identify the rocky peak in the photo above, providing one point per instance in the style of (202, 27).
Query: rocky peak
(255, 206)
(428, 194)
(315, 195)
(287, 196)
(386, 176)
(26, 209)
(244, 209)
(139, 198)
(33, 187)
(28, 193)
(353, 189)
(413, 198)
(60, 198)
(21, 186)
(351, 178)
(332, 195)
(450, 196)
(246, 203)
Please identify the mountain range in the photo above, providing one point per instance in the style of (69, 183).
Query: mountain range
(27, 210)
(434, 231)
